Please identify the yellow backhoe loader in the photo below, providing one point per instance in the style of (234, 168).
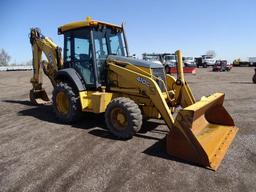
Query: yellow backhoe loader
(97, 75)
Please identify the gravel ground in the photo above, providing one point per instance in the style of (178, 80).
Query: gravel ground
(39, 154)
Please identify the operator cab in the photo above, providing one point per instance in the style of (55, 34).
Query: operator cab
(86, 47)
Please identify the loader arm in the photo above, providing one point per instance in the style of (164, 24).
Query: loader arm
(183, 94)
(41, 44)
(147, 86)
(201, 132)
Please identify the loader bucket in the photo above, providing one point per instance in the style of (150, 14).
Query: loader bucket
(202, 132)
(38, 97)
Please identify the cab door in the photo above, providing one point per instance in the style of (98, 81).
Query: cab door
(78, 54)
(101, 53)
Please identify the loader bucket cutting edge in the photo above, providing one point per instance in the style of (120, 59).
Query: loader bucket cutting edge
(202, 132)
(38, 97)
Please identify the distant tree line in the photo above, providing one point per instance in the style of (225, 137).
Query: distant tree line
(4, 58)
(211, 52)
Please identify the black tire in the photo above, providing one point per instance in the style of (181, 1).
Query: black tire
(254, 78)
(204, 65)
(131, 114)
(73, 103)
(167, 69)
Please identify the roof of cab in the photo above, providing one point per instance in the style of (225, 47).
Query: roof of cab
(86, 23)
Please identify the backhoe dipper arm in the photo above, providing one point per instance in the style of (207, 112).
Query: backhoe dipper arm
(41, 44)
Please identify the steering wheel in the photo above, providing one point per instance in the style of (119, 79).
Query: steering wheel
(77, 56)
(98, 53)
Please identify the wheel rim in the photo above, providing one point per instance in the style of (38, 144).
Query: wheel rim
(119, 119)
(62, 103)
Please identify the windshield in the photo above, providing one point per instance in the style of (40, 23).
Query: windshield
(106, 42)
(110, 42)
(207, 57)
(188, 58)
(170, 57)
(151, 58)
(116, 44)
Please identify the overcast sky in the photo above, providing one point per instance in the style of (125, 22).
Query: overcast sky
(226, 26)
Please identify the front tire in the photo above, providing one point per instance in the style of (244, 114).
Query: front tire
(123, 117)
(66, 103)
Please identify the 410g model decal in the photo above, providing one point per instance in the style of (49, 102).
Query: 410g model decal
(143, 81)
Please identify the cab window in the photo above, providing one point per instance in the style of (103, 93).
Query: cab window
(78, 54)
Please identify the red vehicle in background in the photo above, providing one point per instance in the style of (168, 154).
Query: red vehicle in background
(221, 65)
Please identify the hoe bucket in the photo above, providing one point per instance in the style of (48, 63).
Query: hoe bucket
(38, 97)
(202, 132)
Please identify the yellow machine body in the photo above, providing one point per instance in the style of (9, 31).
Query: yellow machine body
(201, 132)
(95, 102)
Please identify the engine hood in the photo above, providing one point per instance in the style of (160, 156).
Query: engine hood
(137, 62)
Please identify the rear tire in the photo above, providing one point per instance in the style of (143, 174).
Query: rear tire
(167, 69)
(66, 103)
(254, 78)
(204, 65)
(123, 117)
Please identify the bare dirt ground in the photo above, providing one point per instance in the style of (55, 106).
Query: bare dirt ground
(39, 154)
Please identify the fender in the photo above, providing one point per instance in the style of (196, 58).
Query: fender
(72, 76)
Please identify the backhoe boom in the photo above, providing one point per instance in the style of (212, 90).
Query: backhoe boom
(41, 44)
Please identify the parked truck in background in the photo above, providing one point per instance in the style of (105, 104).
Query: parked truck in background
(169, 59)
(250, 62)
(166, 59)
(205, 61)
(189, 61)
(155, 58)
(222, 65)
